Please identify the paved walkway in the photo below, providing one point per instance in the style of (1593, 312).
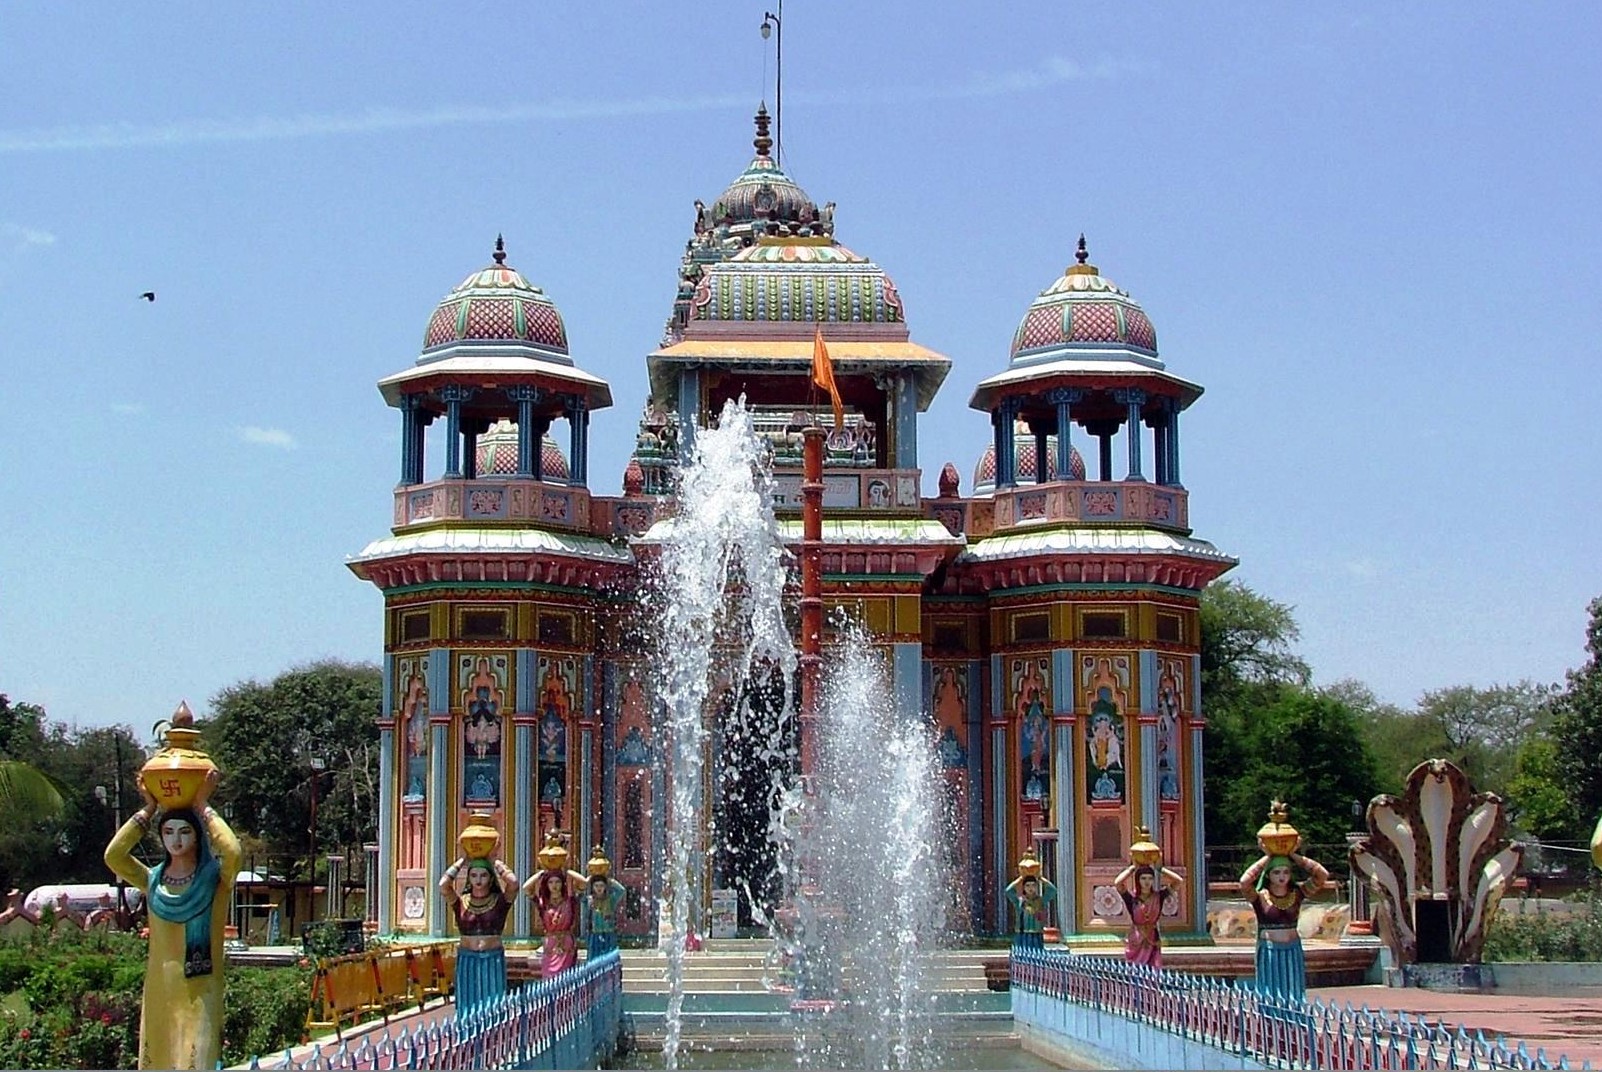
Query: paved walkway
(1566, 1026)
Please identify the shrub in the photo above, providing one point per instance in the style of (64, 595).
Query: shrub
(264, 1011)
(1531, 933)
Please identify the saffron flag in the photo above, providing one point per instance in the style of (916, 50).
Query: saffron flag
(823, 376)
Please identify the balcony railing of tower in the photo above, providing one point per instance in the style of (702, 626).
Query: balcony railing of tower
(542, 503)
(1082, 1000)
(1021, 507)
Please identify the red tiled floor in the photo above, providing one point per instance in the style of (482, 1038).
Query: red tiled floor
(1566, 1026)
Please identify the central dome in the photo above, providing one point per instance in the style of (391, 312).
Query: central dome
(762, 190)
(797, 280)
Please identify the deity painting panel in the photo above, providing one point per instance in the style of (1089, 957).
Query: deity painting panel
(1030, 677)
(412, 713)
(1104, 689)
(1170, 708)
(483, 683)
(558, 675)
(950, 704)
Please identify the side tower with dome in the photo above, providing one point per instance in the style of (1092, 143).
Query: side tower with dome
(1073, 611)
(491, 576)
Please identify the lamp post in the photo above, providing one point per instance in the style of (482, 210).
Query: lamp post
(116, 819)
(772, 23)
(317, 766)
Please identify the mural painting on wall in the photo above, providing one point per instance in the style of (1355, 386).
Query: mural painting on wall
(1170, 762)
(1104, 682)
(1170, 706)
(632, 740)
(412, 702)
(1031, 691)
(950, 705)
(558, 676)
(484, 680)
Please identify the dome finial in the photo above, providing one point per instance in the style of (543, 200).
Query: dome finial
(500, 250)
(1082, 265)
(762, 142)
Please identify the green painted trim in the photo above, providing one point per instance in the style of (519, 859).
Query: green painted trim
(1121, 586)
(511, 586)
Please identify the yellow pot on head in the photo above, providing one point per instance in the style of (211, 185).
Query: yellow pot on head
(479, 837)
(599, 866)
(553, 857)
(1144, 852)
(174, 775)
(1029, 864)
(1277, 836)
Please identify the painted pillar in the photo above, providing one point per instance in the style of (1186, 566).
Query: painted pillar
(1148, 744)
(1007, 460)
(384, 882)
(1133, 398)
(528, 439)
(408, 411)
(999, 862)
(470, 431)
(1173, 446)
(1064, 398)
(585, 828)
(906, 422)
(439, 795)
(975, 743)
(906, 669)
(1159, 430)
(454, 396)
(519, 840)
(689, 410)
(1063, 791)
(1195, 801)
(996, 420)
(578, 421)
(420, 442)
(1042, 468)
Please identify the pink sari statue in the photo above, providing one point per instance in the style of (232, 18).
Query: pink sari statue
(554, 894)
(1144, 900)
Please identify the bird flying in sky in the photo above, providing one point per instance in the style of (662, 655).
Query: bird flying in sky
(149, 295)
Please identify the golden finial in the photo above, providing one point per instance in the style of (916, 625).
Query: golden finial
(1082, 265)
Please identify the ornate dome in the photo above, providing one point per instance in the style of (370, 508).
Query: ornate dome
(496, 305)
(797, 279)
(497, 453)
(984, 474)
(1081, 309)
(762, 190)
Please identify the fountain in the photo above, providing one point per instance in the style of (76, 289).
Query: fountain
(855, 838)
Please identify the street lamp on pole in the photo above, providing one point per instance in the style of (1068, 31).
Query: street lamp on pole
(317, 765)
(772, 23)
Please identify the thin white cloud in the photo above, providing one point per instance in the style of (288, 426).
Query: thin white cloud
(127, 407)
(24, 237)
(1052, 71)
(267, 437)
(1362, 568)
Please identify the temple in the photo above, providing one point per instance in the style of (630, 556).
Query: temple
(1045, 623)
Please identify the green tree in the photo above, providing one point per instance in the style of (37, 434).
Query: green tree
(1536, 795)
(1255, 697)
(267, 740)
(1306, 749)
(30, 801)
(1577, 731)
(1481, 729)
(1397, 738)
(1246, 641)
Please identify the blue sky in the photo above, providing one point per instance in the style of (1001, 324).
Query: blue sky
(1372, 236)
